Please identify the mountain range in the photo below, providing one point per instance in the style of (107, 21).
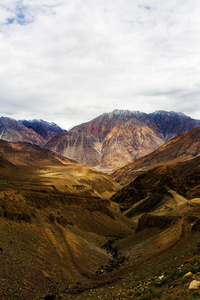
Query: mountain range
(13, 131)
(119, 137)
(35, 132)
(105, 142)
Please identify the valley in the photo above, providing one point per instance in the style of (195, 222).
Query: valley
(69, 231)
(52, 238)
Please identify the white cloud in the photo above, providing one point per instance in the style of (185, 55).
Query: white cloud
(69, 61)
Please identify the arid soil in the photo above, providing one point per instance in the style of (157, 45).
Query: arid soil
(53, 222)
(51, 239)
(63, 237)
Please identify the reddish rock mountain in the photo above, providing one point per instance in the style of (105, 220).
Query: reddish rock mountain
(82, 147)
(119, 137)
(180, 148)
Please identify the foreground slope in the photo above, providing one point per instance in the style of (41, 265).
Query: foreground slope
(54, 218)
(164, 203)
(55, 170)
(50, 240)
(180, 148)
(119, 137)
(60, 240)
(26, 154)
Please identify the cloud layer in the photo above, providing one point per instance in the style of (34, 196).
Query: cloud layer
(68, 61)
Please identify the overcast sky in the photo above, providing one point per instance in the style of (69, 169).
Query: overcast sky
(68, 61)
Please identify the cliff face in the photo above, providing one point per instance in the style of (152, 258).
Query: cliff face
(83, 147)
(119, 137)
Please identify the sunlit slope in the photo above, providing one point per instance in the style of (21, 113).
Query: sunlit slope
(180, 148)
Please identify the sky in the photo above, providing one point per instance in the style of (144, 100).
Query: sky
(68, 61)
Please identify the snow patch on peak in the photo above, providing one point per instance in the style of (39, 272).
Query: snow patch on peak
(168, 113)
(121, 112)
(39, 121)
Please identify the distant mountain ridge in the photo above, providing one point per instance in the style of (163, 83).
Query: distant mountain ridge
(167, 123)
(46, 129)
(105, 142)
(13, 131)
(35, 132)
(120, 136)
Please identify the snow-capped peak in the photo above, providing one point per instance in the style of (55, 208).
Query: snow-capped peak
(168, 113)
(121, 112)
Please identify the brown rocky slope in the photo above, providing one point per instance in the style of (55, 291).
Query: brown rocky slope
(184, 178)
(52, 240)
(180, 148)
(55, 170)
(54, 218)
(165, 204)
(26, 154)
(60, 240)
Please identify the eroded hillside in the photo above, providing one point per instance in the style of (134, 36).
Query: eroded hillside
(63, 238)
(54, 220)
(182, 148)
